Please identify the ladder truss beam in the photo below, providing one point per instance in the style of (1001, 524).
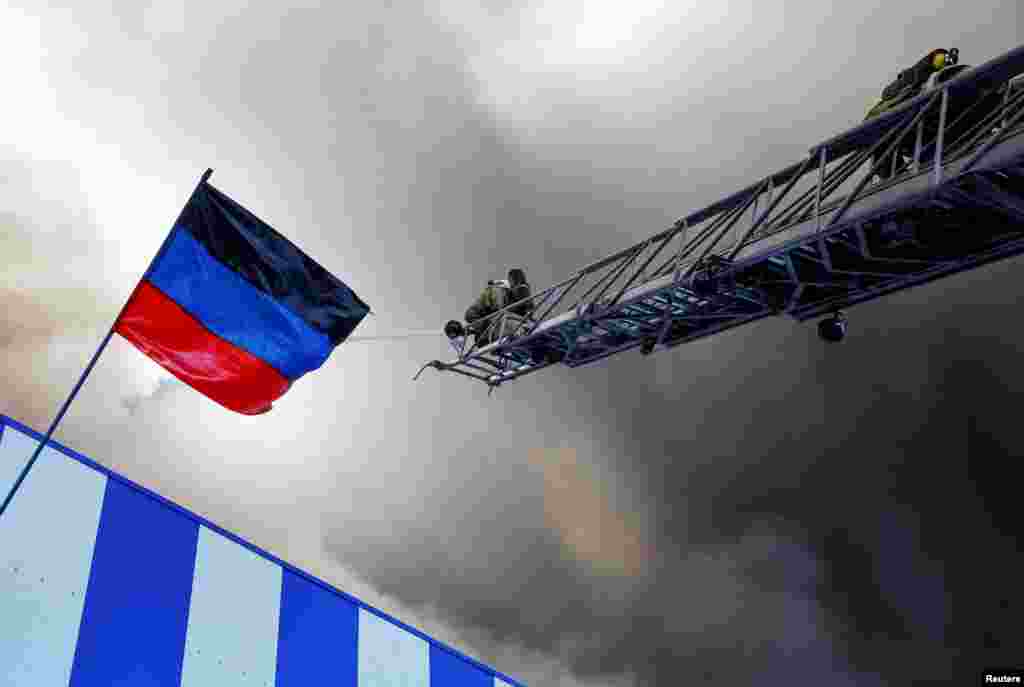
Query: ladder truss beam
(955, 201)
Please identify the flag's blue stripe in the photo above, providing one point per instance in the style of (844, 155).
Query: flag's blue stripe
(316, 637)
(451, 671)
(136, 606)
(235, 310)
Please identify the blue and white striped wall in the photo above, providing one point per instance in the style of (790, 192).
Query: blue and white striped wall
(105, 583)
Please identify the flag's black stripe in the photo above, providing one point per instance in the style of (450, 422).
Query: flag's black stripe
(272, 263)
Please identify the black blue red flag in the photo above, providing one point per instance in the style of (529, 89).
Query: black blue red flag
(234, 309)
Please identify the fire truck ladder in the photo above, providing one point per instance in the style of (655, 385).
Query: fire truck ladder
(926, 190)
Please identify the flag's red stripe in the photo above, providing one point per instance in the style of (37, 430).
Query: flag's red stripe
(233, 377)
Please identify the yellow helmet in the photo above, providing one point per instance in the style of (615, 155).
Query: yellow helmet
(939, 59)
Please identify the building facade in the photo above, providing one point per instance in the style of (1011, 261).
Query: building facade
(103, 582)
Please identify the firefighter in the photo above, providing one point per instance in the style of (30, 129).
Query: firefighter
(910, 81)
(498, 294)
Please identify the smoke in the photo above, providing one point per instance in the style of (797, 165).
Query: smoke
(163, 387)
(761, 508)
(54, 296)
(590, 528)
(744, 509)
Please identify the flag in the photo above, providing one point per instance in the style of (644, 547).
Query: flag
(234, 309)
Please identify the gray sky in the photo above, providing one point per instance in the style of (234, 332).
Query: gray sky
(752, 506)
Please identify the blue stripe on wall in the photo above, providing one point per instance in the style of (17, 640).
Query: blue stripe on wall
(136, 606)
(236, 311)
(317, 636)
(449, 670)
(47, 537)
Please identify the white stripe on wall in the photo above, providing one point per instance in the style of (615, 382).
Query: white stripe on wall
(47, 537)
(15, 450)
(389, 656)
(233, 616)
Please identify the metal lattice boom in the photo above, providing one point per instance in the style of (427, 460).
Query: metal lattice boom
(930, 188)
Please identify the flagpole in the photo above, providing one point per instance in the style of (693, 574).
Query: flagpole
(95, 356)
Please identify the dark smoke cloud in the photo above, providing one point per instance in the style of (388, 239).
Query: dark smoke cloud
(853, 528)
(751, 509)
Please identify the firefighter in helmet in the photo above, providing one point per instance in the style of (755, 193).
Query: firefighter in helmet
(498, 294)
